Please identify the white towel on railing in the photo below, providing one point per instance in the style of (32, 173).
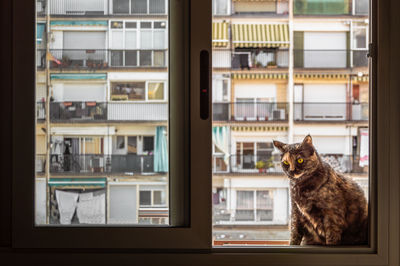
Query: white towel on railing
(91, 209)
(67, 202)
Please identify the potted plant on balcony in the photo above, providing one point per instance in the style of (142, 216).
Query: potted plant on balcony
(66, 61)
(272, 64)
(269, 165)
(260, 165)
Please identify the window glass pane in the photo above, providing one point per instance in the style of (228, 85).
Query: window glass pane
(145, 198)
(117, 39)
(132, 91)
(130, 58)
(130, 25)
(159, 58)
(120, 6)
(145, 58)
(155, 91)
(148, 144)
(157, 6)
(159, 40)
(139, 6)
(130, 40)
(264, 90)
(102, 113)
(132, 145)
(146, 39)
(117, 58)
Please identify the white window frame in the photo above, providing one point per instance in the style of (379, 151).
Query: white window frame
(147, 11)
(146, 87)
(254, 221)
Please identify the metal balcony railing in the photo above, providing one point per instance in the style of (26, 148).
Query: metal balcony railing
(40, 110)
(268, 8)
(97, 163)
(322, 7)
(260, 59)
(74, 111)
(250, 111)
(270, 164)
(330, 58)
(99, 8)
(95, 59)
(320, 111)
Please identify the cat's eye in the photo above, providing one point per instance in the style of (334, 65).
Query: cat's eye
(300, 160)
(286, 162)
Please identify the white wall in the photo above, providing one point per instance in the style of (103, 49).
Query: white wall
(255, 91)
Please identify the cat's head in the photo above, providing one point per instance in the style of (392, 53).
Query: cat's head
(299, 159)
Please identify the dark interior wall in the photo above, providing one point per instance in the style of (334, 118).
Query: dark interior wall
(5, 114)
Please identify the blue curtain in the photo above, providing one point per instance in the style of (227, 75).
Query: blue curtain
(221, 140)
(39, 32)
(161, 150)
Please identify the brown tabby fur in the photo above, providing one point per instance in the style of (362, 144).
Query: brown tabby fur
(327, 208)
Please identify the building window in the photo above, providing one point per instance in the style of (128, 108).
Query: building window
(148, 144)
(138, 91)
(139, 7)
(152, 197)
(120, 142)
(254, 206)
(132, 145)
(220, 7)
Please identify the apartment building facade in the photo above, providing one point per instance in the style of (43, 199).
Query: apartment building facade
(259, 95)
(107, 85)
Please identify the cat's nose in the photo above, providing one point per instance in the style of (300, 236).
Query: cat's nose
(291, 168)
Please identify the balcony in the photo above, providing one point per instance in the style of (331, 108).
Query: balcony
(330, 58)
(322, 7)
(261, 59)
(264, 8)
(97, 8)
(78, 111)
(101, 111)
(95, 59)
(130, 111)
(270, 164)
(250, 111)
(129, 164)
(330, 111)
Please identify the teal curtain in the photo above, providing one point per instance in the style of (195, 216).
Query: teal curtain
(221, 141)
(161, 150)
(39, 32)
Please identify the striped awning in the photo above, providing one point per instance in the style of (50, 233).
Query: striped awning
(260, 35)
(321, 76)
(259, 76)
(220, 34)
(259, 128)
(364, 78)
(77, 182)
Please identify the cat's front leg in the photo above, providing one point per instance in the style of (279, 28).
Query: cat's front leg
(296, 227)
(333, 229)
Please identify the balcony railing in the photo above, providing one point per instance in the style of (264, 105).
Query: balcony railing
(74, 111)
(322, 7)
(97, 8)
(130, 111)
(331, 111)
(267, 8)
(250, 111)
(270, 164)
(260, 59)
(94, 59)
(330, 58)
(100, 111)
(97, 163)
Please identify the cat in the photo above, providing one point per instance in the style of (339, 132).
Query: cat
(327, 208)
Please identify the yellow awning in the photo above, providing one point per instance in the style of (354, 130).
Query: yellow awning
(260, 35)
(259, 76)
(364, 78)
(321, 76)
(220, 34)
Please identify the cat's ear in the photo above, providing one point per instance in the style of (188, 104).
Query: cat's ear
(280, 145)
(307, 141)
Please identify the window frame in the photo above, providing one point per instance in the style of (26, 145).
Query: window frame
(385, 108)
